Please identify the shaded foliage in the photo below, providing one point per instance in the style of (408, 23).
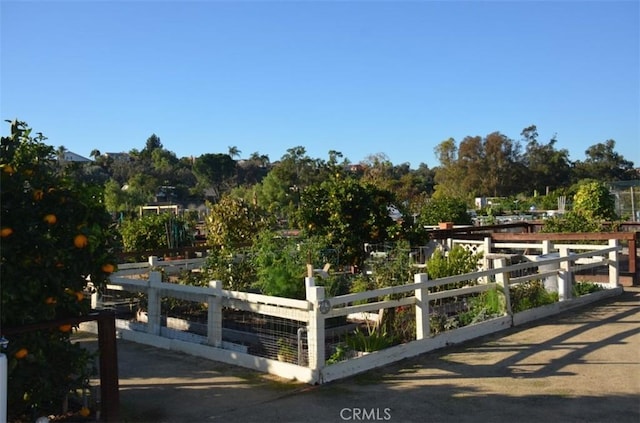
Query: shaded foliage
(55, 235)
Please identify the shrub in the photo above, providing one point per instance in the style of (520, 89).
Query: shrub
(373, 340)
(445, 209)
(235, 268)
(234, 223)
(56, 235)
(156, 231)
(530, 294)
(584, 288)
(280, 266)
(458, 262)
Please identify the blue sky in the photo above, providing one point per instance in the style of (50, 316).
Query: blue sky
(359, 77)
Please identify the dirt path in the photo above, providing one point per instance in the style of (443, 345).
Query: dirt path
(583, 366)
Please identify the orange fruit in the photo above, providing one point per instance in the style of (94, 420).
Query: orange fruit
(84, 412)
(50, 301)
(5, 232)
(8, 169)
(64, 328)
(38, 194)
(80, 241)
(108, 268)
(79, 296)
(21, 353)
(51, 219)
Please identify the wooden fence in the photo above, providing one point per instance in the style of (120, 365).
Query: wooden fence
(313, 313)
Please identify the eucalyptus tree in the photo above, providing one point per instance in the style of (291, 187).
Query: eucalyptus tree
(479, 166)
(449, 176)
(547, 169)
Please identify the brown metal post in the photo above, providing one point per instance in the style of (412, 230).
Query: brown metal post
(110, 391)
(633, 255)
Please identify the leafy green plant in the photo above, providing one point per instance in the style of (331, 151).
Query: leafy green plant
(156, 231)
(280, 266)
(403, 325)
(235, 268)
(444, 209)
(487, 305)
(373, 341)
(530, 294)
(286, 352)
(592, 205)
(347, 213)
(234, 223)
(571, 222)
(584, 288)
(342, 352)
(594, 201)
(459, 261)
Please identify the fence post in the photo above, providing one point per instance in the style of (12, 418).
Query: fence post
(633, 255)
(502, 279)
(153, 261)
(565, 275)
(94, 296)
(153, 303)
(423, 330)
(486, 263)
(214, 315)
(547, 246)
(486, 247)
(315, 330)
(614, 271)
(109, 384)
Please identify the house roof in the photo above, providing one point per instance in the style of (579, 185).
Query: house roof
(70, 156)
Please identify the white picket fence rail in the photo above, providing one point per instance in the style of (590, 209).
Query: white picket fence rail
(312, 313)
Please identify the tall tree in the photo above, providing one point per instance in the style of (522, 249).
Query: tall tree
(480, 166)
(347, 213)
(215, 171)
(280, 189)
(378, 171)
(449, 175)
(153, 143)
(605, 164)
(503, 165)
(547, 169)
(234, 152)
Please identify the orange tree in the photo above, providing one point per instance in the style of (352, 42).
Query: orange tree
(56, 236)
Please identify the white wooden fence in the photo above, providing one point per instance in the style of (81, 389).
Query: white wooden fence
(312, 313)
